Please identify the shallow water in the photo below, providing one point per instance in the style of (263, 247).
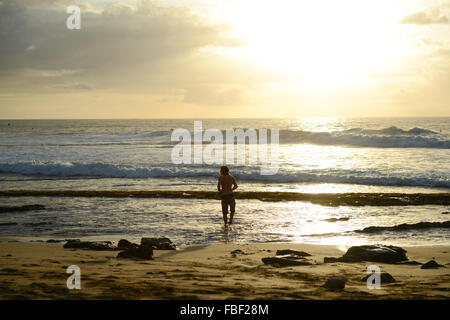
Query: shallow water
(315, 155)
(194, 221)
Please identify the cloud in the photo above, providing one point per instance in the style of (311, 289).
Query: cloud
(426, 17)
(422, 89)
(431, 42)
(144, 49)
(74, 86)
(118, 36)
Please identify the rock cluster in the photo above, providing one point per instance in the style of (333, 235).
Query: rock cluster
(91, 245)
(287, 258)
(145, 249)
(372, 253)
(125, 244)
(431, 265)
(128, 249)
(144, 252)
(159, 243)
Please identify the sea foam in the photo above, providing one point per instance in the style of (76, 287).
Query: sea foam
(243, 173)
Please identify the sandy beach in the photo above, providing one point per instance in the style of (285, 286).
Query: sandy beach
(37, 270)
(208, 151)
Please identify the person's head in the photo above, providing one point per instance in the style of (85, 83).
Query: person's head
(224, 170)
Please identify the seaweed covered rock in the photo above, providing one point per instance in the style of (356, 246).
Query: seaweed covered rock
(90, 245)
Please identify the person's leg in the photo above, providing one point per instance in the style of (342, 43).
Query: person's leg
(224, 210)
(232, 209)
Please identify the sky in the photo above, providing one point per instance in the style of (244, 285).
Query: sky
(225, 59)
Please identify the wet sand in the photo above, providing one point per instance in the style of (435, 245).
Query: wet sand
(37, 270)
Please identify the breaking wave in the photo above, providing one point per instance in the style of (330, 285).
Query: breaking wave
(245, 173)
(391, 137)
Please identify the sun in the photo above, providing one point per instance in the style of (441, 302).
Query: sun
(321, 44)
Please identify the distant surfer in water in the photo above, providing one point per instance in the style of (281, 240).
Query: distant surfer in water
(226, 185)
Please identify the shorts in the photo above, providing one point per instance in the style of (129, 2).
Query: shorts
(228, 200)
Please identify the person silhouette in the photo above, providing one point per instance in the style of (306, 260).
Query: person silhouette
(225, 186)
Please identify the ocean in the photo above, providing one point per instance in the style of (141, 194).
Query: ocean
(317, 155)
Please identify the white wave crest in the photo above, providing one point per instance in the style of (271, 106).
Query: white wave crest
(391, 137)
(243, 173)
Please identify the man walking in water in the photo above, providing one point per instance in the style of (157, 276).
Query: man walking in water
(226, 185)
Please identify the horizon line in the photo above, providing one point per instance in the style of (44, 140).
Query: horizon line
(228, 118)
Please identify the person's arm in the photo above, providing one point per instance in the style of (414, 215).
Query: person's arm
(218, 185)
(235, 186)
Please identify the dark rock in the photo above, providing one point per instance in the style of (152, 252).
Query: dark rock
(292, 252)
(159, 243)
(99, 246)
(144, 252)
(125, 244)
(237, 251)
(335, 283)
(431, 265)
(375, 253)
(54, 241)
(283, 262)
(410, 263)
(22, 208)
(384, 278)
(445, 212)
(407, 226)
(336, 219)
